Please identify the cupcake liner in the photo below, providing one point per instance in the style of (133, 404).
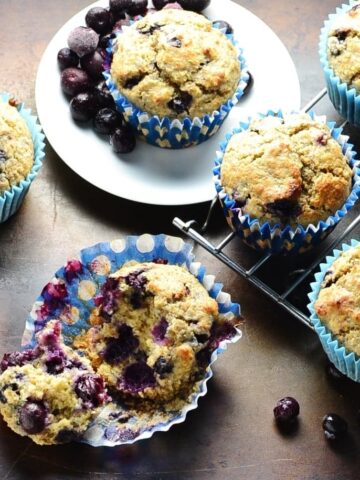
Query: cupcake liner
(179, 133)
(70, 298)
(11, 199)
(274, 238)
(347, 362)
(345, 99)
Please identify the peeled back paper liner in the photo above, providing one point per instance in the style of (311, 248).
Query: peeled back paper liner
(345, 99)
(276, 239)
(347, 362)
(179, 133)
(75, 303)
(11, 199)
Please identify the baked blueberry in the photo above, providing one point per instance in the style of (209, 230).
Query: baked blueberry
(181, 102)
(32, 416)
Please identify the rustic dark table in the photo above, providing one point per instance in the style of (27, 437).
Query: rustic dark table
(232, 434)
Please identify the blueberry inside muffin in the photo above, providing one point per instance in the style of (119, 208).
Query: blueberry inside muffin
(153, 332)
(174, 63)
(286, 171)
(49, 393)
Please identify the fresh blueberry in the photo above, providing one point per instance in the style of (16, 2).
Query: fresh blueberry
(98, 19)
(67, 58)
(194, 5)
(83, 107)
(83, 40)
(286, 411)
(137, 377)
(93, 64)
(334, 426)
(160, 4)
(123, 139)
(106, 120)
(32, 416)
(104, 99)
(74, 81)
(137, 7)
(225, 26)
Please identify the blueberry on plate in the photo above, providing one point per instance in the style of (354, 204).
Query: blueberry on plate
(83, 40)
(107, 120)
(195, 5)
(123, 139)
(137, 7)
(83, 107)
(99, 19)
(74, 80)
(93, 63)
(67, 58)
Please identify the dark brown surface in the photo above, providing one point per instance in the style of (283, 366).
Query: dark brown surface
(232, 434)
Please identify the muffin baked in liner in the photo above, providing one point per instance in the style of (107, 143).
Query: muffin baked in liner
(345, 99)
(347, 362)
(70, 298)
(175, 133)
(277, 239)
(11, 199)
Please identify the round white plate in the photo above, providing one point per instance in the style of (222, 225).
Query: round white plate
(150, 174)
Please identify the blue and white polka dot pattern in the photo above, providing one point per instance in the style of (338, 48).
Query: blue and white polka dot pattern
(70, 297)
(347, 362)
(286, 240)
(11, 200)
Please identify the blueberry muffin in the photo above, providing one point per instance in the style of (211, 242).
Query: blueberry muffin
(344, 47)
(49, 393)
(153, 332)
(16, 147)
(338, 303)
(286, 171)
(174, 63)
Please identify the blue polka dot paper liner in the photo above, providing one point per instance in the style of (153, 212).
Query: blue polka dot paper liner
(345, 99)
(11, 199)
(347, 362)
(170, 133)
(70, 296)
(277, 239)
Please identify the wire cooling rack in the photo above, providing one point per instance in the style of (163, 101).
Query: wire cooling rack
(198, 235)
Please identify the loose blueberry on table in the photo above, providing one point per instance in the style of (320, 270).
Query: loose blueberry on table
(286, 411)
(334, 426)
(81, 64)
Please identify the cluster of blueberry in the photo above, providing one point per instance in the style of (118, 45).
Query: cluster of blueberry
(82, 62)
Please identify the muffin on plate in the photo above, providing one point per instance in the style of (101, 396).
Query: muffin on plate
(21, 154)
(49, 393)
(174, 70)
(340, 58)
(282, 173)
(153, 331)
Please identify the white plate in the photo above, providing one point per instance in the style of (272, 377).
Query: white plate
(150, 174)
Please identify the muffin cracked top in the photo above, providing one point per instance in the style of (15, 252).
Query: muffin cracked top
(16, 147)
(344, 47)
(286, 171)
(174, 63)
(338, 304)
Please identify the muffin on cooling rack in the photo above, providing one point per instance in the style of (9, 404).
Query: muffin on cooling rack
(154, 331)
(285, 181)
(335, 308)
(21, 154)
(49, 393)
(340, 58)
(174, 71)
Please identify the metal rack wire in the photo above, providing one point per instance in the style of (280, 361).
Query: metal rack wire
(282, 299)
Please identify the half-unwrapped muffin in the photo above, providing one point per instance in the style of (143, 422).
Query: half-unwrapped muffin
(285, 180)
(49, 393)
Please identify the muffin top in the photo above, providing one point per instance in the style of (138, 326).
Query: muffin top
(49, 393)
(153, 332)
(286, 171)
(174, 63)
(338, 303)
(16, 147)
(344, 47)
